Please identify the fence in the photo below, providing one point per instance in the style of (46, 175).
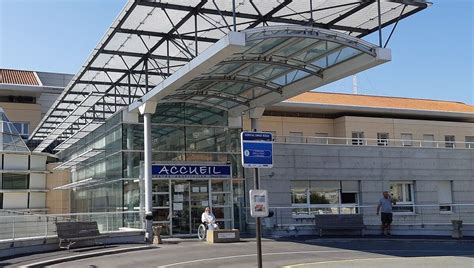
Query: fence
(434, 215)
(14, 226)
(374, 142)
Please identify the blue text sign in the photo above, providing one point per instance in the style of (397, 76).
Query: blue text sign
(191, 171)
(257, 149)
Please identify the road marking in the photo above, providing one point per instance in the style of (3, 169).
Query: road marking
(365, 259)
(82, 256)
(298, 252)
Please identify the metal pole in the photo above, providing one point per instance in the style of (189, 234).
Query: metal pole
(380, 23)
(147, 177)
(234, 21)
(256, 185)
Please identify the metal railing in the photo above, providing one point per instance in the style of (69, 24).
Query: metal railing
(285, 218)
(373, 142)
(16, 226)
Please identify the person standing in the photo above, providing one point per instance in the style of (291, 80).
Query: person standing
(386, 216)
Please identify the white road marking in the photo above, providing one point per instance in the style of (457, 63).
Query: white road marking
(81, 256)
(365, 259)
(297, 252)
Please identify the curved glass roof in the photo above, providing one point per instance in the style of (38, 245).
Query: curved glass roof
(272, 59)
(151, 39)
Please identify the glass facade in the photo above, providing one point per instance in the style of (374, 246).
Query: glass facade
(180, 133)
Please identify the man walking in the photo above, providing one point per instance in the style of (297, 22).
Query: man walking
(385, 203)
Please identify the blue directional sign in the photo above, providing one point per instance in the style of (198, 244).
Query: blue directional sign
(257, 150)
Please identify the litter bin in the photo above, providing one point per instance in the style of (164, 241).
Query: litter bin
(157, 235)
(457, 228)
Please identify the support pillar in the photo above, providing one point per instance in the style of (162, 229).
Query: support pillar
(255, 114)
(147, 109)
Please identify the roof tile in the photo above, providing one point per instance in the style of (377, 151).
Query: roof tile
(382, 102)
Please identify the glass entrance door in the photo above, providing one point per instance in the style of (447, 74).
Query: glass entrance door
(181, 219)
(178, 204)
(199, 201)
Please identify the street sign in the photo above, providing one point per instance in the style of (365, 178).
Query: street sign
(258, 203)
(257, 149)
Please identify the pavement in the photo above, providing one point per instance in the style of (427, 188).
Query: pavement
(299, 252)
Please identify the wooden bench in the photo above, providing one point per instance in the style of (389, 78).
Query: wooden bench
(339, 222)
(72, 232)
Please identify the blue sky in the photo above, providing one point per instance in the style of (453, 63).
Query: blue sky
(432, 52)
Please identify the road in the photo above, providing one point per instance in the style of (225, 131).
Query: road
(302, 254)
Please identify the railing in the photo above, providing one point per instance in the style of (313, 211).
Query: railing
(373, 142)
(14, 227)
(287, 218)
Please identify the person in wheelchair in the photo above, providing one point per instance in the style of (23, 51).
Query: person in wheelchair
(209, 219)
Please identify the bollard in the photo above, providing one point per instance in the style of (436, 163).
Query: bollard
(457, 228)
(157, 235)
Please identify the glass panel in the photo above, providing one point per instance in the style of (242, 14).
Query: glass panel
(160, 186)
(220, 185)
(161, 200)
(324, 197)
(181, 207)
(15, 181)
(199, 201)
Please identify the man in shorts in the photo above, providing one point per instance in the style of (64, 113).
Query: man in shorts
(385, 204)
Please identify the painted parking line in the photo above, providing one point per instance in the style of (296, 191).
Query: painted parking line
(303, 252)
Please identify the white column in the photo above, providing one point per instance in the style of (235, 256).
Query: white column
(147, 177)
(146, 110)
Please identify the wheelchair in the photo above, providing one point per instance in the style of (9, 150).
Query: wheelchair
(202, 231)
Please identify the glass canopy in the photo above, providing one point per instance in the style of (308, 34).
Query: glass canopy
(272, 59)
(150, 40)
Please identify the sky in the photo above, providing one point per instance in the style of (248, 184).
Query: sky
(432, 51)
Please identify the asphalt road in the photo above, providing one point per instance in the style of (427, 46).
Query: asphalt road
(302, 254)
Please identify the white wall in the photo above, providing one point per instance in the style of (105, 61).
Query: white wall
(37, 200)
(15, 200)
(38, 162)
(37, 181)
(16, 161)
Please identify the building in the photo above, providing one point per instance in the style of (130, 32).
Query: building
(25, 97)
(336, 153)
(150, 125)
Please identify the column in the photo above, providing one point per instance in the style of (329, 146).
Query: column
(147, 109)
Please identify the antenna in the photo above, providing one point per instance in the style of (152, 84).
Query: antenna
(354, 84)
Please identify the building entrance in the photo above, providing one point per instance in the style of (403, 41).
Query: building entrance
(178, 204)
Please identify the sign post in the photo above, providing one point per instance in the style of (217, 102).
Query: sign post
(257, 152)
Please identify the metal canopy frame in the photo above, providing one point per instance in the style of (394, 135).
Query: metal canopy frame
(151, 39)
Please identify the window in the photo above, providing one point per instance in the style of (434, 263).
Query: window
(23, 129)
(357, 138)
(445, 198)
(407, 139)
(296, 137)
(402, 195)
(12, 181)
(449, 141)
(324, 197)
(1, 200)
(428, 140)
(321, 138)
(382, 139)
(470, 142)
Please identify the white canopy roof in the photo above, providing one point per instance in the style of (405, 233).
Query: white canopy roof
(151, 39)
